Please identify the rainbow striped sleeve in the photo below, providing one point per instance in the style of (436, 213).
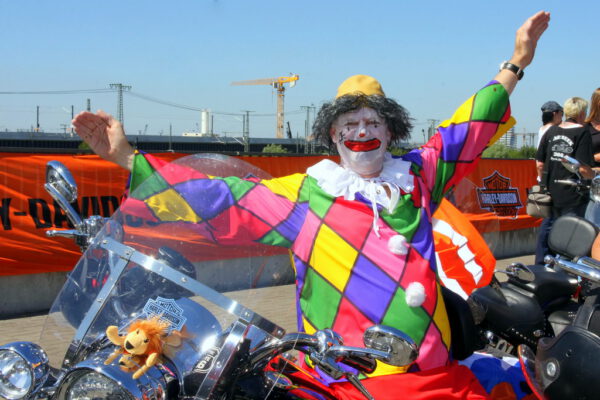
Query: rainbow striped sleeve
(229, 210)
(144, 166)
(453, 151)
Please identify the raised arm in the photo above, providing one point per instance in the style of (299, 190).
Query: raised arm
(452, 153)
(525, 44)
(105, 136)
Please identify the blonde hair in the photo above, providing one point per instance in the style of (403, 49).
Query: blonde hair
(594, 107)
(574, 106)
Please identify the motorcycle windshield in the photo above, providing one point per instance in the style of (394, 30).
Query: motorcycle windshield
(465, 239)
(186, 246)
(469, 198)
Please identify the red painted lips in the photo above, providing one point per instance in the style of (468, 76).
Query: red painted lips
(368, 145)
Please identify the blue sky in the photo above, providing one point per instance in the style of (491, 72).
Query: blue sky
(429, 56)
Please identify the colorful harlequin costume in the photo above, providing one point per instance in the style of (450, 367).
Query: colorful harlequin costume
(363, 248)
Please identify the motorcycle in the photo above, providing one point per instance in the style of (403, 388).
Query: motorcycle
(535, 301)
(586, 188)
(539, 301)
(217, 301)
(582, 186)
(564, 366)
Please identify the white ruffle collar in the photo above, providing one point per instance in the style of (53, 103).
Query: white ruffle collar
(339, 181)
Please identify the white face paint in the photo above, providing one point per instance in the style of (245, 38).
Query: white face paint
(361, 138)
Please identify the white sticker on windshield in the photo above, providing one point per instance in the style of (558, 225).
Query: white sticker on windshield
(168, 310)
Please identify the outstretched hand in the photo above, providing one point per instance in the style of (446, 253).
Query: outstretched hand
(527, 38)
(526, 42)
(105, 136)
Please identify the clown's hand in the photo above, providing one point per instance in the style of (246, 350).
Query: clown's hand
(105, 136)
(527, 38)
(526, 42)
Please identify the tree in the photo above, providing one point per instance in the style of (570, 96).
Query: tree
(84, 146)
(398, 151)
(274, 148)
(528, 151)
(499, 150)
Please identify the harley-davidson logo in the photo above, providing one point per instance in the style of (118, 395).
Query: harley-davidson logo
(498, 196)
(168, 310)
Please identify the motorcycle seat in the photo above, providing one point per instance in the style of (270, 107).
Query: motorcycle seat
(510, 312)
(549, 286)
(572, 236)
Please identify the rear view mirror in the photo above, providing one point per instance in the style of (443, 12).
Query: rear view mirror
(570, 164)
(521, 272)
(60, 178)
(61, 185)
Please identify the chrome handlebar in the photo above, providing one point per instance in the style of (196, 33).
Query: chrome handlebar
(584, 267)
(326, 350)
(569, 182)
(85, 232)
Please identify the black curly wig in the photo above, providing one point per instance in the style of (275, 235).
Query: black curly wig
(396, 117)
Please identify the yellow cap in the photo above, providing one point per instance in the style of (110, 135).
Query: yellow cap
(360, 84)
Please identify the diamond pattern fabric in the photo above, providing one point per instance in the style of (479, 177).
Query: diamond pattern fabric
(347, 278)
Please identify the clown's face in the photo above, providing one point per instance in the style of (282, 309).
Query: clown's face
(361, 138)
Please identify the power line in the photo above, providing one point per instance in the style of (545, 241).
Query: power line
(274, 114)
(126, 90)
(177, 105)
(192, 108)
(164, 102)
(62, 91)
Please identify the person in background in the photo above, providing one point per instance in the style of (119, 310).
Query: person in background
(552, 114)
(592, 124)
(570, 138)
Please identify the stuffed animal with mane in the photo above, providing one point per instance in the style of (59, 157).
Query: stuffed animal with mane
(142, 346)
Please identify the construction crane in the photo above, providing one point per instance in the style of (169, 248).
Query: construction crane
(279, 85)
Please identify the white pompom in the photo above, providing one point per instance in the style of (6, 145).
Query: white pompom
(397, 245)
(415, 294)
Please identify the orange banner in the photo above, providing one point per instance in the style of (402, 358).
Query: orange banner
(495, 194)
(27, 211)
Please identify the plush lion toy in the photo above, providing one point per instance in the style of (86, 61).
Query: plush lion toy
(130, 363)
(142, 346)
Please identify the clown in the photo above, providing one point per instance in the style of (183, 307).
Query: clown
(361, 232)
(362, 124)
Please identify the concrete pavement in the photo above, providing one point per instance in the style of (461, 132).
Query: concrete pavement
(28, 328)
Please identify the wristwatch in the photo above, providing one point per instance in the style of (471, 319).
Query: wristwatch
(513, 68)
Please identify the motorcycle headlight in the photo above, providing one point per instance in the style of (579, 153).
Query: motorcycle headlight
(23, 369)
(92, 380)
(91, 385)
(15, 375)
